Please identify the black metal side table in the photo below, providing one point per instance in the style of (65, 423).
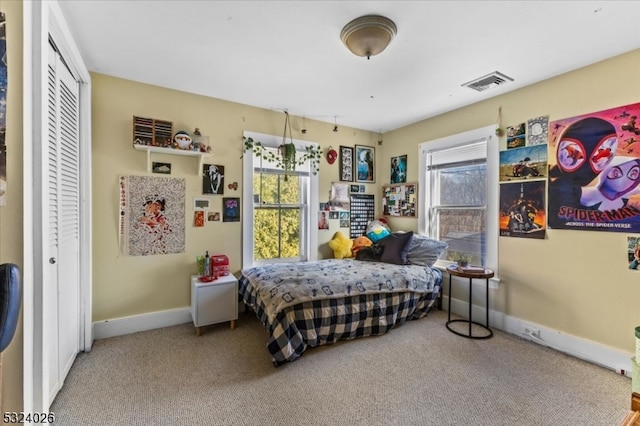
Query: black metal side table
(471, 274)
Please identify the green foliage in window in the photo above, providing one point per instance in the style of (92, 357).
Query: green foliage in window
(276, 218)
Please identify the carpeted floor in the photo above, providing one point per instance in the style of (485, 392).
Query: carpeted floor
(417, 374)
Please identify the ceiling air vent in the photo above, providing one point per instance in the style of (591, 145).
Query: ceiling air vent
(488, 81)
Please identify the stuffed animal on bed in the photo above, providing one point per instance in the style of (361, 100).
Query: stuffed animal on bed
(359, 243)
(341, 246)
(377, 230)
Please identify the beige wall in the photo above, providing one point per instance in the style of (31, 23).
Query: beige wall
(11, 240)
(124, 286)
(574, 282)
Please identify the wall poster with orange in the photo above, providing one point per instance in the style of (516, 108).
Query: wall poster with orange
(522, 212)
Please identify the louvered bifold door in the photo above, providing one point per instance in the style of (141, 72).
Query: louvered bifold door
(64, 219)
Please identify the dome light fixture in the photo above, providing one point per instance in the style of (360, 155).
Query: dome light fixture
(368, 35)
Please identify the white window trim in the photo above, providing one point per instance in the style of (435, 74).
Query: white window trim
(310, 241)
(493, 190)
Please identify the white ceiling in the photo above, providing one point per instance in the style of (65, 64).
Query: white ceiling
(288, 54)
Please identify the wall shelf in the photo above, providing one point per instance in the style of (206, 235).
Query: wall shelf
(172, 151)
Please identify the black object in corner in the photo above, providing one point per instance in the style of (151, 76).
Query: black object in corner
(10, 300)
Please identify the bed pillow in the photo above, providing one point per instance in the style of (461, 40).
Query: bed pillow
(341, 246)
(377, 230)
(396, 247)
(424, 251)
(372, 253)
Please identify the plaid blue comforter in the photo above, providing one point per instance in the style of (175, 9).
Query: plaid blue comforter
(304, 304)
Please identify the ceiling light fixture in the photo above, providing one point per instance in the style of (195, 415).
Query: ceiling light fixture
(368, 35)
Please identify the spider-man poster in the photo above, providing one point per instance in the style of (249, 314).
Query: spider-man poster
(594, 171)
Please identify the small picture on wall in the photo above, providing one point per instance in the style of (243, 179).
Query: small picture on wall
(633, 252)
(334, 215)
(198, 218)
(323, 223)
(355, 188)
(213, 217)
(516, 136)
(163, 168)
(538, 130)
(399, 169)
(200, 204)
(231, 209)
(212, 179)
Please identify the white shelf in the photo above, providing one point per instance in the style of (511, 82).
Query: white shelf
(171, 151)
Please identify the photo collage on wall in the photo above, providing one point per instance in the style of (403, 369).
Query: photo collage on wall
(337, 208)
(523, 178)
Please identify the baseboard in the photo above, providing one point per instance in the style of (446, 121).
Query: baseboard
(587, 350)
(604, 356)
(136, 323)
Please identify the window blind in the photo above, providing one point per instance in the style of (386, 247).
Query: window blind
(462, 154)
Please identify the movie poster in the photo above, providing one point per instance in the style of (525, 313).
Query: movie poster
(594, 171)
(522, 212)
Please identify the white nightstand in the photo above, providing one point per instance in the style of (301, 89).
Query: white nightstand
(214, 302)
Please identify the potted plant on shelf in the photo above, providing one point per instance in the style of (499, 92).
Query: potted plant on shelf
(461, 259)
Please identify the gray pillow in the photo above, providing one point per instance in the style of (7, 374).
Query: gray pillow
(424, 251)
(396, 247)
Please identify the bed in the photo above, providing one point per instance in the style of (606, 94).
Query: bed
(307, 304)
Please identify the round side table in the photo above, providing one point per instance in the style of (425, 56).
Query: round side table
(482, 274)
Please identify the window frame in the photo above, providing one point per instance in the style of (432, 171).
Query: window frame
(473, 136)
(308, 241)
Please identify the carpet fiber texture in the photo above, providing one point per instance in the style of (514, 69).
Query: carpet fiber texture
(417, 374)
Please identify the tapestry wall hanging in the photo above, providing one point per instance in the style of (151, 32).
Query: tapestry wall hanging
(594, 171)
(152, 215)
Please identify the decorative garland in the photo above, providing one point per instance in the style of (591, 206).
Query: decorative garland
(285, 156)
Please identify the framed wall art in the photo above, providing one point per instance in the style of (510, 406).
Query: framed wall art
(212, 179)
(365, 163)
(346, 164)
(231, 209)
(398, 169)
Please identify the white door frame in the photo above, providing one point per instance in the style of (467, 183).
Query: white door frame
(41, 20)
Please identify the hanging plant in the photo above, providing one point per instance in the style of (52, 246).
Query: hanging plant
(286, 157)
(288, 154)
(499, 129)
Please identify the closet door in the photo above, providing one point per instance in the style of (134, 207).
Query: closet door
(63, 269)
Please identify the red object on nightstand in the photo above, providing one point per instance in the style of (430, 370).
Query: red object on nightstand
(219, 265)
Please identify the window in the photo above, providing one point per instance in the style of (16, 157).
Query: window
(459, 181)
(277, 217)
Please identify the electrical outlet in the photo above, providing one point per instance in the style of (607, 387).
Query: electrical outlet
(531, 332)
